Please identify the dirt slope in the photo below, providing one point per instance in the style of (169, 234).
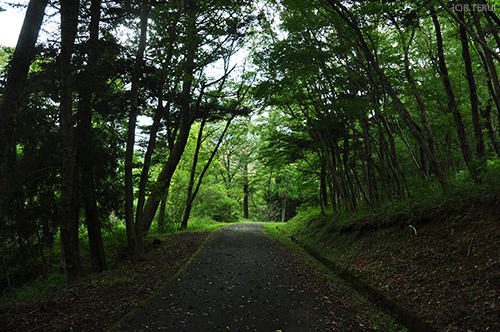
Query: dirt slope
(444, 266)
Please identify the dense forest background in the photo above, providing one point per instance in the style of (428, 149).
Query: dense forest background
(131, 119)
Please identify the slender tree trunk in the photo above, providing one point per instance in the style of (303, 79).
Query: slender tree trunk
(413, 126)
(246, 191)
(419, 99)
(452, 104)
(160, 111)
(489, 64)
(190, 198)
(474, 100)
(134, 230)
(162, 215)
(193, 190)
(283, 206)
(186, 119)
(486, 113)
(322, 186)
(69, 220)
(16, 79)
(85, 146)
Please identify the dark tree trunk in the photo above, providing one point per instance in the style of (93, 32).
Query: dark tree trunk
(246, 191)
(486, 113)
(474, 100)
(134, 229)
(494, 84)
(190, 198)
(413, 126)
(186, 119)
(193, 190)
(162, 215)
(420, 102)
(16, 79)
(69, 219)
(85, 147)
(165, 175)
(156, 123)
(323, 189)
(452, 104)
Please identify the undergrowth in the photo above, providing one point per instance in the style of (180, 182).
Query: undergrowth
(117, 255)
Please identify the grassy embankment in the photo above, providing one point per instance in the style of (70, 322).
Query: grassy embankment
(436, 260)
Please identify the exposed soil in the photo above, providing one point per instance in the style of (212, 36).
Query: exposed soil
(444, 268)
(96, 303)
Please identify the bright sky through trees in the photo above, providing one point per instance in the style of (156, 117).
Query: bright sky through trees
(11, 21)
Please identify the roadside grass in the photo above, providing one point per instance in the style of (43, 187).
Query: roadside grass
(115, 243)
(363, 311)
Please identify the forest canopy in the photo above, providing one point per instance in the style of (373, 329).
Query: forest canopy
(129, 119)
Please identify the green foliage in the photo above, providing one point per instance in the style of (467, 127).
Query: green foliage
(214, 203)
(35, 290)
(5, 54)
(327, 141)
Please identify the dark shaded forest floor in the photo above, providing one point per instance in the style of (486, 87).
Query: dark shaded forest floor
(448, 273)
(98, 302)
(442, 264)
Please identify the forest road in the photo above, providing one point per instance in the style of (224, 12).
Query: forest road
(241, 280)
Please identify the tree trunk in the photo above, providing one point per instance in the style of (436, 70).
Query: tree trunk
(134, 230)
(16, 79)
(245, 191)
(474, 100)
(490, 68)
(186, 119)
(452, 104)
(192, 190)
(420, 101)
(85, 147)
(162, 216)
(69, 220)
(323, 194)
(413, 126)
(283, 206)
(190, 198)
(156, 122)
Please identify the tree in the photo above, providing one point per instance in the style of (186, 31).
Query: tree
(18, 71)
(134, 229)
(69, 211)
(203, 43)
(85, 143)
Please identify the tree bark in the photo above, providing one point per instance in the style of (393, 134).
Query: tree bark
(69, 219)
(85, 146)
(246, 190)
(486, 113)
(134, 229)
(419, 99)
(452, 104)
(413, 126)
(186, 119)
(474, 100)
(489, 65)
(190, 198)
(16, 79)
(156, 122)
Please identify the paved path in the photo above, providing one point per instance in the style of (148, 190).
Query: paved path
(241, 281)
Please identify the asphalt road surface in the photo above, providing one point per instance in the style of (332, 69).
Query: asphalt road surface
(241, 280)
